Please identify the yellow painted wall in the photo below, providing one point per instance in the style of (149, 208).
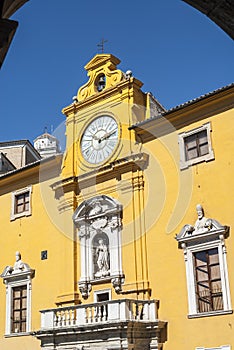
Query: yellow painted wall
(211, 185)
(31, 235)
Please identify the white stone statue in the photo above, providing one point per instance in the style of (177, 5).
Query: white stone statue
(102, 255)
(202, 225)
(202, 222)
(18, 265)
(97, 209)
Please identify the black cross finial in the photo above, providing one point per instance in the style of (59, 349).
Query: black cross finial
(101, 45)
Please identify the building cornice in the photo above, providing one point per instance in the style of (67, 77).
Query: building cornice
(104, 95)
(200, 108)
(132, 162)
(31, 169)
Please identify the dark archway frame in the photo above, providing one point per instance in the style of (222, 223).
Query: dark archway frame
(219, 11)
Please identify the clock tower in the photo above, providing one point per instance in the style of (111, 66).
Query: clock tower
(103, 180)
(98, 120)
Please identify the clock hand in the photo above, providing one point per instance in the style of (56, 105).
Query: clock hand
(96, 138)
(107, 135)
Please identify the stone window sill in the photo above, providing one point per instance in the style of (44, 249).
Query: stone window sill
(211, 313)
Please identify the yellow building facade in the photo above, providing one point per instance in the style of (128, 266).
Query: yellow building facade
(125, 241)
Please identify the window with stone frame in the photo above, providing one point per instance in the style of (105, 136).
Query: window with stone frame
(208, 282)
(18, 282)
(206, 266)
(21, 203)
(102, 297)
(19, 309)
(195, 146)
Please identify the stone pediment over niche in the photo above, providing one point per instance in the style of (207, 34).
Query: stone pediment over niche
(202, 229)
(102, 73)
(98, 207)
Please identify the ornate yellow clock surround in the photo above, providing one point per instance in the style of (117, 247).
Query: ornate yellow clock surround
(100, 65)
(111, 92)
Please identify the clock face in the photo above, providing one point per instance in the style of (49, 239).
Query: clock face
(99, 139)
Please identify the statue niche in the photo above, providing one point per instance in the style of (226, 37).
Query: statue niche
(101, 259)
(99, 223)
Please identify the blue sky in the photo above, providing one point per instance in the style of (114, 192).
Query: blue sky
(177, 52)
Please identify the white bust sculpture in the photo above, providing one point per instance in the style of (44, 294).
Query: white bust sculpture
(202, 222)
(202, 225)
(18, 265)
(18, 268)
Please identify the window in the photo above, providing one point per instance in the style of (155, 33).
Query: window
(18, 306)
(18, 282)
(19, 309)
(195, 146)
(206, 266)
(208, 280)
(21, 203)
(102, 297)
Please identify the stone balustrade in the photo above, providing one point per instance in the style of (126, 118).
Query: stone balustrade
(101, 312)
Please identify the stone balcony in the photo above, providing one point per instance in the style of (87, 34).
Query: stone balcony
(119, 324)
(108, 311)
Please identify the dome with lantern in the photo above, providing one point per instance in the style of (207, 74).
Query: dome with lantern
(47, 145)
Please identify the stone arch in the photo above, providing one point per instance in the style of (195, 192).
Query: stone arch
(219, 11)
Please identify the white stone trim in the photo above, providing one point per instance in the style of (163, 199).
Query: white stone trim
(28, 212)
(188, 255)
(207, 157)
(101, 291)
(18, 275)
(9, 292)
(222, 347)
